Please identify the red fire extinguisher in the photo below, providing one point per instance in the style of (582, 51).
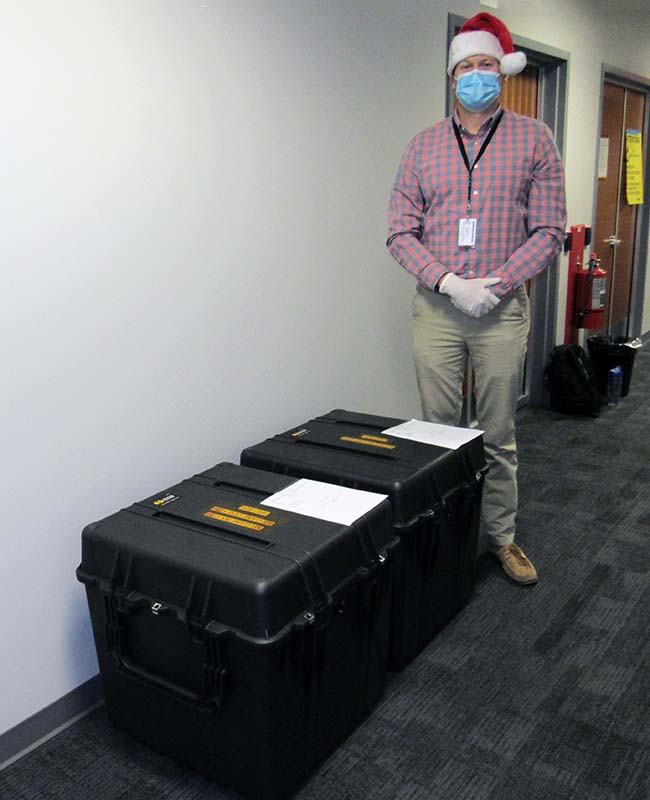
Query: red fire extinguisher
(590, 295)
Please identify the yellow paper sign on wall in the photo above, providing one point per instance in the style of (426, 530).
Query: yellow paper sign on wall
(634, 165)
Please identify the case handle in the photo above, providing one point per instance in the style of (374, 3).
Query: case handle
(213, 527)
(215, 674)
(345, 445)
(210, 699)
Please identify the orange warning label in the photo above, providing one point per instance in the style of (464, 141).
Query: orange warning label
(233, 521)
(229, 512)
(261, 511)
(367, 442)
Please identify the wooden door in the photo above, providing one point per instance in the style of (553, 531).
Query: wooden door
(520, 92)
(616, 220)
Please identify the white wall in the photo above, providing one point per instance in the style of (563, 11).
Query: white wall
(193, 256)
(594, 34)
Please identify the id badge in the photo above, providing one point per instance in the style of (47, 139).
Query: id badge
(467, 232)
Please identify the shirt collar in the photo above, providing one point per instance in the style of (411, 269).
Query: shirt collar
(484, 127)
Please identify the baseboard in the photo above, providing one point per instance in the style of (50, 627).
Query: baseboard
(53, 719)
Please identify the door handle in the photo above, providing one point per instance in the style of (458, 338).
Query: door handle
(612, 240)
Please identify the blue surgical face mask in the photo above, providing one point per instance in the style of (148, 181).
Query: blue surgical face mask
(477, 90)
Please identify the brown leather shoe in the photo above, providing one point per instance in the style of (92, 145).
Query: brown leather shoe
(515, 563)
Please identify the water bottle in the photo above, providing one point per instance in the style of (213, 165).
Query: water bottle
(614, 383)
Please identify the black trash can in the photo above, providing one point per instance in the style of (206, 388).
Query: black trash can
(607, 352)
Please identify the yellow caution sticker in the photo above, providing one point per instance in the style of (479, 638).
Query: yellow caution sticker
(229, 512)
(261, 511)
(233, 521)
(368, 442)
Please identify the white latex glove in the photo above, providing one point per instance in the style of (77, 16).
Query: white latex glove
(470, 295)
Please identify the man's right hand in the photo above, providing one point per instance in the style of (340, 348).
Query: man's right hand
(470, 295)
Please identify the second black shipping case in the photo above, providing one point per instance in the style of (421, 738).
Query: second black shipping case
(435, 494)
(244, 641)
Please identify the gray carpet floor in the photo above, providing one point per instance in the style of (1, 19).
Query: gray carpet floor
(537, 692)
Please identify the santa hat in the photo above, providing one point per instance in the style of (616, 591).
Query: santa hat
(486, 35)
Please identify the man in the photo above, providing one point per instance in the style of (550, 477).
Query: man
(477, 209)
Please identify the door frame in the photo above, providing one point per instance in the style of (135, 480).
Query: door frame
(553, 66)
(628, 80)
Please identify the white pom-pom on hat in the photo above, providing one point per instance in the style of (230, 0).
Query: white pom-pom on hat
(513, 63)
(486, 35)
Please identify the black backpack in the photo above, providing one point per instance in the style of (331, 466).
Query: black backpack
(571, 382)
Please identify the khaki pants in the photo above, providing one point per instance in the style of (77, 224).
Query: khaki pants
(443, 337)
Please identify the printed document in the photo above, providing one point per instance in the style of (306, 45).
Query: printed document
(325, 501)
(431, 433)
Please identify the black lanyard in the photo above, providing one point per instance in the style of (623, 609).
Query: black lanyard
(463, 152)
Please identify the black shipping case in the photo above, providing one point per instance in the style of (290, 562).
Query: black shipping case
(244, 641)
(436, 499)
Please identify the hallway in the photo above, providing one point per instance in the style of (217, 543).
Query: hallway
(537, 692)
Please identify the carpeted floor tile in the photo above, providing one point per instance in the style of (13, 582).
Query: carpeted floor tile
(537, 692)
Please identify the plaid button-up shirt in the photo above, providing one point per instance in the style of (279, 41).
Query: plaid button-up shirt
(517, 198)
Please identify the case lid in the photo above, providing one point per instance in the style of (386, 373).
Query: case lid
(206, 550)
(349, 448)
